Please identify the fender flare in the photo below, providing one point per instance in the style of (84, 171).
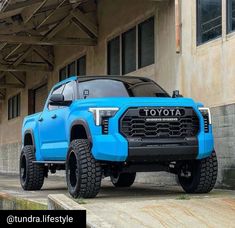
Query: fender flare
(29, 131)
(86, 127)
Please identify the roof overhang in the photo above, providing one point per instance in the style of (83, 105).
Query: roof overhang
(34, 27)
(30, 29)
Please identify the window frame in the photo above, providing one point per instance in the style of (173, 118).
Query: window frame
(139, 56)
(75, 94)
(77, 63)
(73, 87)
(199, 41)
(57, 87)
(66, 73)
(123, 46)
(120, 35)
(229, 14)
(69, 66)
(118, 38)
(11, 104)
(66, 67)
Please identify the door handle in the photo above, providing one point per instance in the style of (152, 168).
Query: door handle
(40, 119)
(54, 116)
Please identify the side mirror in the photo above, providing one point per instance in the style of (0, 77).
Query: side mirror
(176, 94)
(58, 100)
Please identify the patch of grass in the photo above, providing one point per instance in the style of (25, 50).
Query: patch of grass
(16, 203)
(80, 201)
(183, 197)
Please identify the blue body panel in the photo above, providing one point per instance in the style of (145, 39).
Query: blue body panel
(52, 136)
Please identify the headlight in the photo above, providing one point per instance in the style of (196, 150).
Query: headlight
(100, 113)
(206, 113)
(207, 118)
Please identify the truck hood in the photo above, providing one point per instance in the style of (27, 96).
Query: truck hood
(136, 102)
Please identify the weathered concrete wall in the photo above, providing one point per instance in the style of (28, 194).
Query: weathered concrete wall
(10, 130)
(224, 133)
(9, 157)
(206, 72)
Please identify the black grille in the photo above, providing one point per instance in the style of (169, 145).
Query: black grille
(133, 124)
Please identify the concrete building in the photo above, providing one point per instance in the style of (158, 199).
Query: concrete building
(182, 44)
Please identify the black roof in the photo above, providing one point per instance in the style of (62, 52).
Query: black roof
(133, 79)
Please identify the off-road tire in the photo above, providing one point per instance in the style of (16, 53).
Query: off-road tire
(123, 179)
(31, 174)
(204, 175)
(83, 172)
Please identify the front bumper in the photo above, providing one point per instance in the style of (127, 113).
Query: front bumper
(116, 148)
(152, 150)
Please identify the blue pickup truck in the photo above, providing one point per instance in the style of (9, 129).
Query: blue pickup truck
(114, 126)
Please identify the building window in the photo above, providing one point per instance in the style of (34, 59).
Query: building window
(63, 73)
(75, 68)
(230, 15)
(129, 51)
(209, 20)
(14, 107)
(72, 69)
(114, 56)
(146, 43)
(132, 50)
(81, 66)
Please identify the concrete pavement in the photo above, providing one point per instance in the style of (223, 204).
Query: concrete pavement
(11, 184)
(143, 205)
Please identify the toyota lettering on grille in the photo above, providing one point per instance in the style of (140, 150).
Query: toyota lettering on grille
(161, 112)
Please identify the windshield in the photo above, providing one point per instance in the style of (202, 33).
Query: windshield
(119, 87)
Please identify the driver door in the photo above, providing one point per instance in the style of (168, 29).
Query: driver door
(52, 127)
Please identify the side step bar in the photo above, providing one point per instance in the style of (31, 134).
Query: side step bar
(50, 162)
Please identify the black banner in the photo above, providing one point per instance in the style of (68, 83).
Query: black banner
(59, 218)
